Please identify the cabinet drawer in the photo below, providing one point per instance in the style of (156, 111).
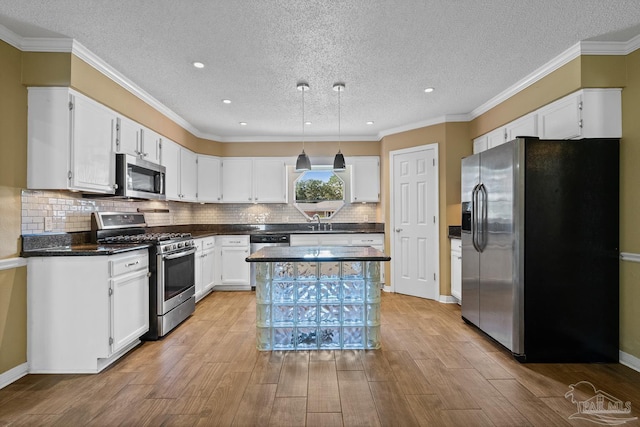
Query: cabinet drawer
(129, 263)
(456, 245)
(205, 243)
(234, 240)
(372, 240)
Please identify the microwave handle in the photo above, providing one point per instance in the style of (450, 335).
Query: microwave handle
(161, 183)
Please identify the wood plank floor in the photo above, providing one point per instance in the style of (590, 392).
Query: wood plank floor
(433, 369)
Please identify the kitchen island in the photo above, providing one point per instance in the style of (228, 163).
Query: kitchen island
(312, 297)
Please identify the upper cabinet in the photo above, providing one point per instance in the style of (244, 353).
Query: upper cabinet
(181, 172)
(209, 179)
(587, 113)
(365, 179)
(254, 180)
(134, 139)
(69, 142)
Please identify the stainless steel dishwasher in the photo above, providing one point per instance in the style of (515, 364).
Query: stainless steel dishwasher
(259, 241)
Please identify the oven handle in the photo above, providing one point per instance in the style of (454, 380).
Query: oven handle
(180, 254)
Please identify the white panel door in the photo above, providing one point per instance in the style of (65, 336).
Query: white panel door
(237, 180)
(188, 175)
(270, 180)
(415, 222)
(171, 161)
(209, 179)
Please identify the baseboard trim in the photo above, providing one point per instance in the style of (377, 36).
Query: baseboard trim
(629, 361)
(13, 375)
(448, 299)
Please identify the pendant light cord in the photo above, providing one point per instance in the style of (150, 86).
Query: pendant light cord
(339, 115)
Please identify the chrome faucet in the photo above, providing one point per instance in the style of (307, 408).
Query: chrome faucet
(317, 218)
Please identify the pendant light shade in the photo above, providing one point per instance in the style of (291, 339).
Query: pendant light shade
(303, 163)
(338, 161)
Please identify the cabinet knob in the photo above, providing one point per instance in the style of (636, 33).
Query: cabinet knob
(398, 230)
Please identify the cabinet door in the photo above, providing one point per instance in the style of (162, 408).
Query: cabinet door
(480, 144)
(171, 161)
(209, 179)
(151, 146)
(496, 138)
(208, 269)
(525, 126)
(199, 259)
(561, 120)
(188, 175)
(270, 181)
(129, 308)
(456, 269)
(237, 180)
(235, 270)
(365, 179)
(129, 136)
(92, 135)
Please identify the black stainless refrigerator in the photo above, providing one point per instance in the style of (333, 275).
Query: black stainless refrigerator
(540, 248)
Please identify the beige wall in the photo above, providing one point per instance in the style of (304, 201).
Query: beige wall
(13, 177)
(630, 208)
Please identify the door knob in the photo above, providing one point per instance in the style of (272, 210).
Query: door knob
(398, 230)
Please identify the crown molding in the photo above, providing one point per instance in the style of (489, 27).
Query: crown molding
(296, 139)
(425, 123)
(10, 37)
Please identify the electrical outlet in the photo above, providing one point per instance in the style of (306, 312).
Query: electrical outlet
(48, 223)
(366, 218)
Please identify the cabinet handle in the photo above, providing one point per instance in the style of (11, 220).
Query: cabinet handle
(459, 257)
(131, 264)
(398, 230)
(249, 198)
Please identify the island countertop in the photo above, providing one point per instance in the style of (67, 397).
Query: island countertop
(317, 253)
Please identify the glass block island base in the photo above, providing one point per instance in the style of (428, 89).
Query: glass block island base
(310, 298)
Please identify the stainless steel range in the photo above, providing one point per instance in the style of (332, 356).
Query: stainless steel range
(171, 266)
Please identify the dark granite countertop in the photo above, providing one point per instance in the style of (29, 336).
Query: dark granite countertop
(79, 243)
(315, 253)
(455, 231)
(84, 249)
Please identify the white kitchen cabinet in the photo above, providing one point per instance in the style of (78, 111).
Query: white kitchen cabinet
(375, 240)
(69, 142)
(234, 269)
(365, 179)
(84, 312)
(254, 180)
(205, 266)
(587, 113)
(209, 179)
(456, 269)
(524, 126)
(181, 172)
(480, 144)
(151, 149)
(188, 175)
(496, 137)
(134, 139)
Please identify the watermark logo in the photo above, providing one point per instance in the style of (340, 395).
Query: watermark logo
(598, 406)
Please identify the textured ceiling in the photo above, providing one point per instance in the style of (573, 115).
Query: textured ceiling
(386, 52)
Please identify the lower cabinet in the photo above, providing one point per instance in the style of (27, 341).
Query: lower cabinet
(205, 265)
(84, 312)
(235, 271)
(456, 269)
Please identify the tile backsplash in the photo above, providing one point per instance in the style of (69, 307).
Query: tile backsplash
(61, 211)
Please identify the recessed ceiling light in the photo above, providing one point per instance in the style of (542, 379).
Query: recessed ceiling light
(198, 64)
(243, 123)
(307, 123)
(370, 122)
(429, 90)
(226, 101)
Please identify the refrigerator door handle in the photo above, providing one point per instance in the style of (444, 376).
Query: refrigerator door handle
(474, 217)
(482, 243)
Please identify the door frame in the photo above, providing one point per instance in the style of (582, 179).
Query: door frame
(392, 226)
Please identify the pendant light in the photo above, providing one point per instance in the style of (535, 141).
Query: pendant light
(303, 163)
(338, 161)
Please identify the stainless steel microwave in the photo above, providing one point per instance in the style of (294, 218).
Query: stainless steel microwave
(139, 179)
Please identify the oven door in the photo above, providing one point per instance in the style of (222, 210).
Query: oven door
(176, 279)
